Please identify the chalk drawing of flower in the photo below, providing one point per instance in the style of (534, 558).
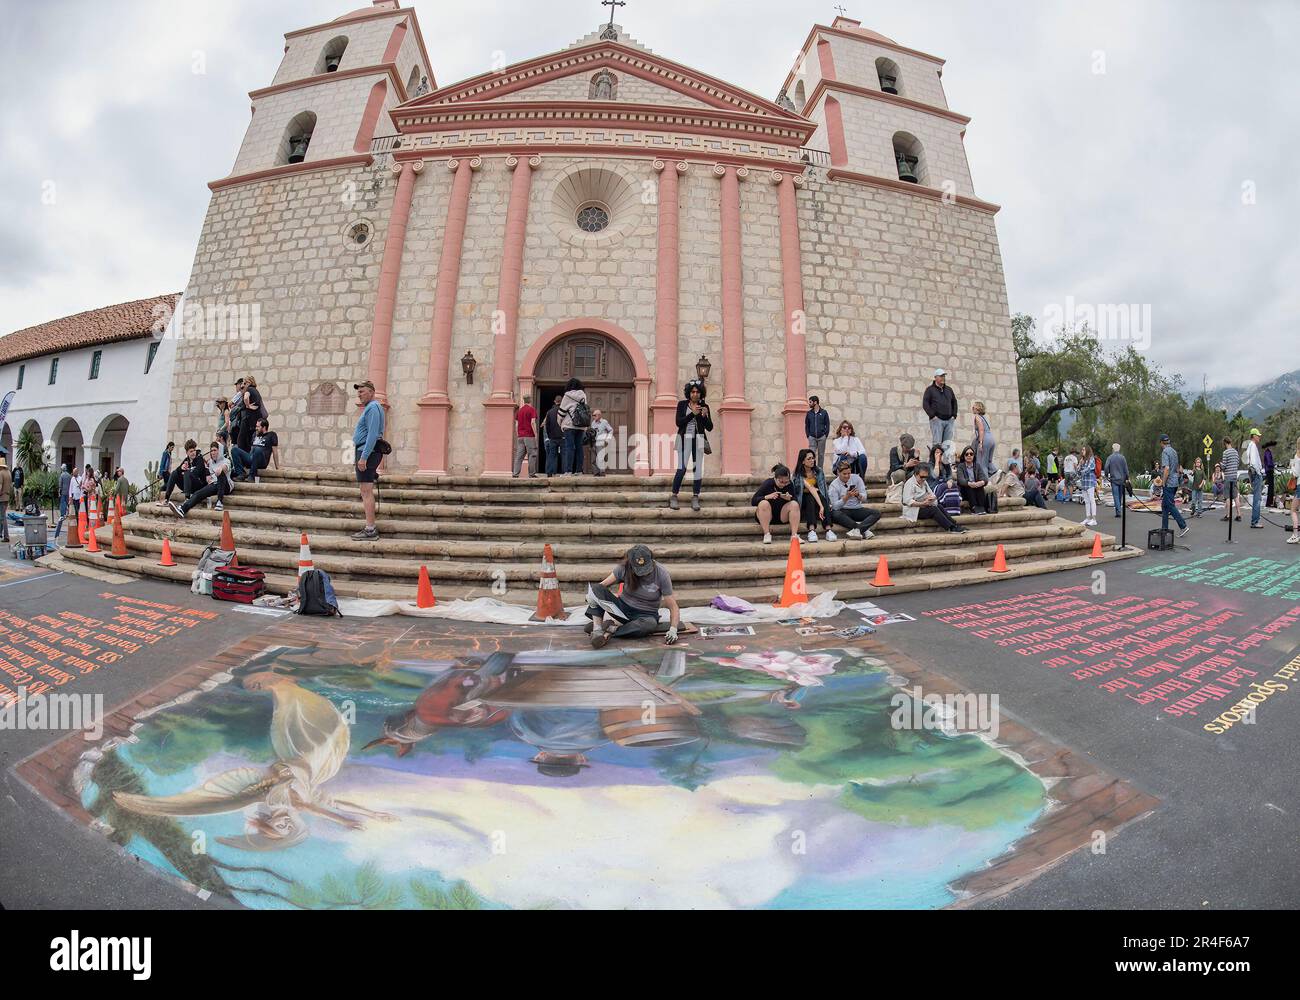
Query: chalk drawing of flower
(803, 669)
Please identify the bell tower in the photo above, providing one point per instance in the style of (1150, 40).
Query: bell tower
(334, 89)
(880, 108)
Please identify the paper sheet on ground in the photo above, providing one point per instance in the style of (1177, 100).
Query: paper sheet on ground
(491, 611)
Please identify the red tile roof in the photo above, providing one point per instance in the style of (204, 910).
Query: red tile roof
(124, 321)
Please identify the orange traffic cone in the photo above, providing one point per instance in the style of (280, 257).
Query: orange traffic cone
(227, 535)
(1096, 548)
(92, 544)
(882, 574)
(119, 540)
(999, 561)
(549, 602)
(73, 540)
(795, 590)
(304, 556)
(167, 559)
(93, 507)
(424, 593)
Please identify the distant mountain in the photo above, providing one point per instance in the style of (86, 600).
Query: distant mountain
(1255, 401)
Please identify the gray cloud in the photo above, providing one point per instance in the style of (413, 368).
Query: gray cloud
(1117, 187)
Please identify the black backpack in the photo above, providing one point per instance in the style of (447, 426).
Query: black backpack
(316, 594)
(581, 414)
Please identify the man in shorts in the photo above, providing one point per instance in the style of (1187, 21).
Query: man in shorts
(365, 438)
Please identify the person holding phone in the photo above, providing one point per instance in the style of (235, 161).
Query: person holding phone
(775, 503)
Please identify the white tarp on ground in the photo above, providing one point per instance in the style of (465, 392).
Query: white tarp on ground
(492, 611)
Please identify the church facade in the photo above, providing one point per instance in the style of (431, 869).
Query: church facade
(605, 213)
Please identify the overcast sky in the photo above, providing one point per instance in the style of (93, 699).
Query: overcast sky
(1120, 186)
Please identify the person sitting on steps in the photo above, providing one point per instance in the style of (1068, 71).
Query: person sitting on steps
(848, 494)
(190, 474)
(219, 483)
(810, 494)
(919, 503)
(634, 612)
(775, 502)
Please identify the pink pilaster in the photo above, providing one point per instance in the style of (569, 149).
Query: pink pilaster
(667, 364)
(736, 411)
(796, 340)
(435, 404)
(381, 330)
(499, 425)
(839, 149)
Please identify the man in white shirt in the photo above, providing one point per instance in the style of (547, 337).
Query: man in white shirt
(1070, 466)
(1255, 463)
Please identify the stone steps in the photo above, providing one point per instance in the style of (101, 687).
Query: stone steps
(850, 586)
(479, 536)
(339, 548)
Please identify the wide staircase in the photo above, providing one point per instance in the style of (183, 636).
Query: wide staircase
(483, 537)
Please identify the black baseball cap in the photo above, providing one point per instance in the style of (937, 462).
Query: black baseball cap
(641, 560)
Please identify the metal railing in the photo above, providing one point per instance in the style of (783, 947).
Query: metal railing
(815, 157)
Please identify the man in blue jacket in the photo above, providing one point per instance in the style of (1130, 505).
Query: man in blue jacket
(369, 432)
(817, 428)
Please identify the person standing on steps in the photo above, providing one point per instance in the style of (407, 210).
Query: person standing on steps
(919, 503)
(694, 421)
(848, 496)
(983, 442)
(632, 613)
(368, 442)
(1170, 477)
(940, 404)
(1255, 463)
(575, 418)
(775, 503)
(552, 438)
(817, 428)
(809, 491)
(65, 480)
(526, 437)
(602, 442)
(1116, 470)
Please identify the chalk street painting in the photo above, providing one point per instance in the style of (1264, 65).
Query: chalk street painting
(454, 773)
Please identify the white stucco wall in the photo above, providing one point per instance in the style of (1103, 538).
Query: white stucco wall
(122, 389)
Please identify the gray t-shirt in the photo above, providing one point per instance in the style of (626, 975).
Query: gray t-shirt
(648, 592)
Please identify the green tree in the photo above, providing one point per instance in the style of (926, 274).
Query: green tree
(1073, 372)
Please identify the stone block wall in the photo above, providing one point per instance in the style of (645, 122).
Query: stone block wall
(896, 286)
(277, 249)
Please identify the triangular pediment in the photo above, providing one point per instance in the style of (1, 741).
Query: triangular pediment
(642, 76)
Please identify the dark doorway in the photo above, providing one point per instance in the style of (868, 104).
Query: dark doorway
(606, 373)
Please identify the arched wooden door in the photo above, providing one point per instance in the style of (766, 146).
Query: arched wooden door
(606, 372)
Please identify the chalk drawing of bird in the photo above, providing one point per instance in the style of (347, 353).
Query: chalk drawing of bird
(310, 739)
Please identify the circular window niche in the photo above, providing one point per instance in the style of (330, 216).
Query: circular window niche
(357, 235)
(594, 206)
